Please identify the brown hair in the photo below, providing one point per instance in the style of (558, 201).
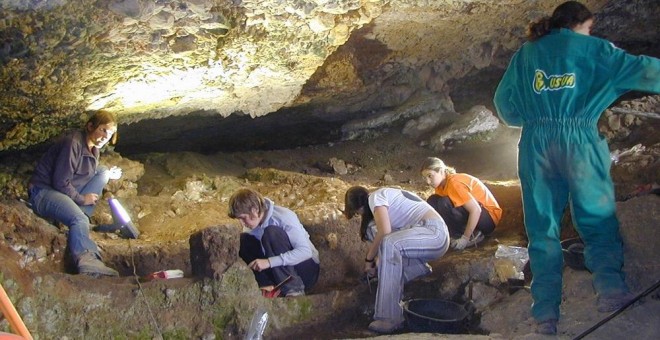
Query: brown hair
(99, 118)
(244, 201)
(357, 197)
(567, 15)
(436, 164)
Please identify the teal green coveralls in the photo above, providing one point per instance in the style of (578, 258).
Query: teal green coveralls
(556, 88)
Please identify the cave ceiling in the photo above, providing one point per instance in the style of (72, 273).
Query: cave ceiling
(221, 72)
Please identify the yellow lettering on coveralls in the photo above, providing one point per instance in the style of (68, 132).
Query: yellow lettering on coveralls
(542, 82)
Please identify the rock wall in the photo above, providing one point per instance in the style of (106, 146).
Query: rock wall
(332, 59)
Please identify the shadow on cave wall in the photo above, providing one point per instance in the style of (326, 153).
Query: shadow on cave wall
(209, 134)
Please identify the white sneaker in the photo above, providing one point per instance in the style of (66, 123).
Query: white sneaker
(295, 293)
(385, 326)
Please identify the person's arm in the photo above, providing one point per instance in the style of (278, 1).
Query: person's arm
(302, 249)
(474, 210)
(504, 95)
(640, 73)
(382, 218)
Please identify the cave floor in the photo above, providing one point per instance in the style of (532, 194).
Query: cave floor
(305, 175)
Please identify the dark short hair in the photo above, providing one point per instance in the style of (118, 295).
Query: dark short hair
(570, 14)
(244, 201)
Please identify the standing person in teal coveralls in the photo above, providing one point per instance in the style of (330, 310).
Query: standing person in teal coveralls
(555, 88)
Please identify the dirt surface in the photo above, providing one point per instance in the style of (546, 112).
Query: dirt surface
(305, 180)
(166, 211)
(180, 194)
(173, 196)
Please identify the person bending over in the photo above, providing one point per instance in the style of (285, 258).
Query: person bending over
(407, 233)
(277, 248)
(464, 202)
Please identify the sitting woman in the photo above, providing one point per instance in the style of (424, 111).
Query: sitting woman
(464, 202)
(68, 183)
(408, 233)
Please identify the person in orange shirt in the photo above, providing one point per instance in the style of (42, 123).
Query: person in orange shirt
(464, 202)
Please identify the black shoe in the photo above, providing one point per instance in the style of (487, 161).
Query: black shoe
(126, 231)
(105, 228)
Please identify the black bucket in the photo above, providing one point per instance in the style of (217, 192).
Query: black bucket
(573, 249)
(435, 316)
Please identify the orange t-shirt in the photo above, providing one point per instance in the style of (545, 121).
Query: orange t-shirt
(460, 188)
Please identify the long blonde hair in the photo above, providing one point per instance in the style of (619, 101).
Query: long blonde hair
(437, 165)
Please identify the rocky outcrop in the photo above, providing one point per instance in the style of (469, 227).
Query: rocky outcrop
(325, 61)
(152, 59)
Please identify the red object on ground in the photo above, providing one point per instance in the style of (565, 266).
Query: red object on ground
(271, 294)
(164, 275)
(276, 290)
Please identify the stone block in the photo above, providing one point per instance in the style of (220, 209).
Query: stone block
(213, 250)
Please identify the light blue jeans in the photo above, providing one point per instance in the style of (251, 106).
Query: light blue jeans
(403, 255)
(52, 204)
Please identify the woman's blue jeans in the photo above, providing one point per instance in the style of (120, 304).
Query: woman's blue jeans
(52, 204)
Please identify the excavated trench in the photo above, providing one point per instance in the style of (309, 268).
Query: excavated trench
(341, 255)
(452, 279)
(180, 194)
(351, 319)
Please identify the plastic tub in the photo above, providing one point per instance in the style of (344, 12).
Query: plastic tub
(573, 249)
(435, 316)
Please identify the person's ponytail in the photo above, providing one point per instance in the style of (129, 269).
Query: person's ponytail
(567, 15)
(538, 29)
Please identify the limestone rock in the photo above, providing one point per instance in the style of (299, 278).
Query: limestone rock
(476, 121)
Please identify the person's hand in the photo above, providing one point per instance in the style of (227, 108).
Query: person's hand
(90, 199)
(259, 265)
(115, 172)
(461, 243)
(370, 268)
(372, 272)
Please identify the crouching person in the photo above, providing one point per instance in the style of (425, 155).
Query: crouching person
(277, 247)
(408, 233)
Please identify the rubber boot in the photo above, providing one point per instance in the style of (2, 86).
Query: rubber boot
(90, 264)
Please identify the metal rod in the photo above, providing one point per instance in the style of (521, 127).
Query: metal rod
(635, 112)
(618, 311)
